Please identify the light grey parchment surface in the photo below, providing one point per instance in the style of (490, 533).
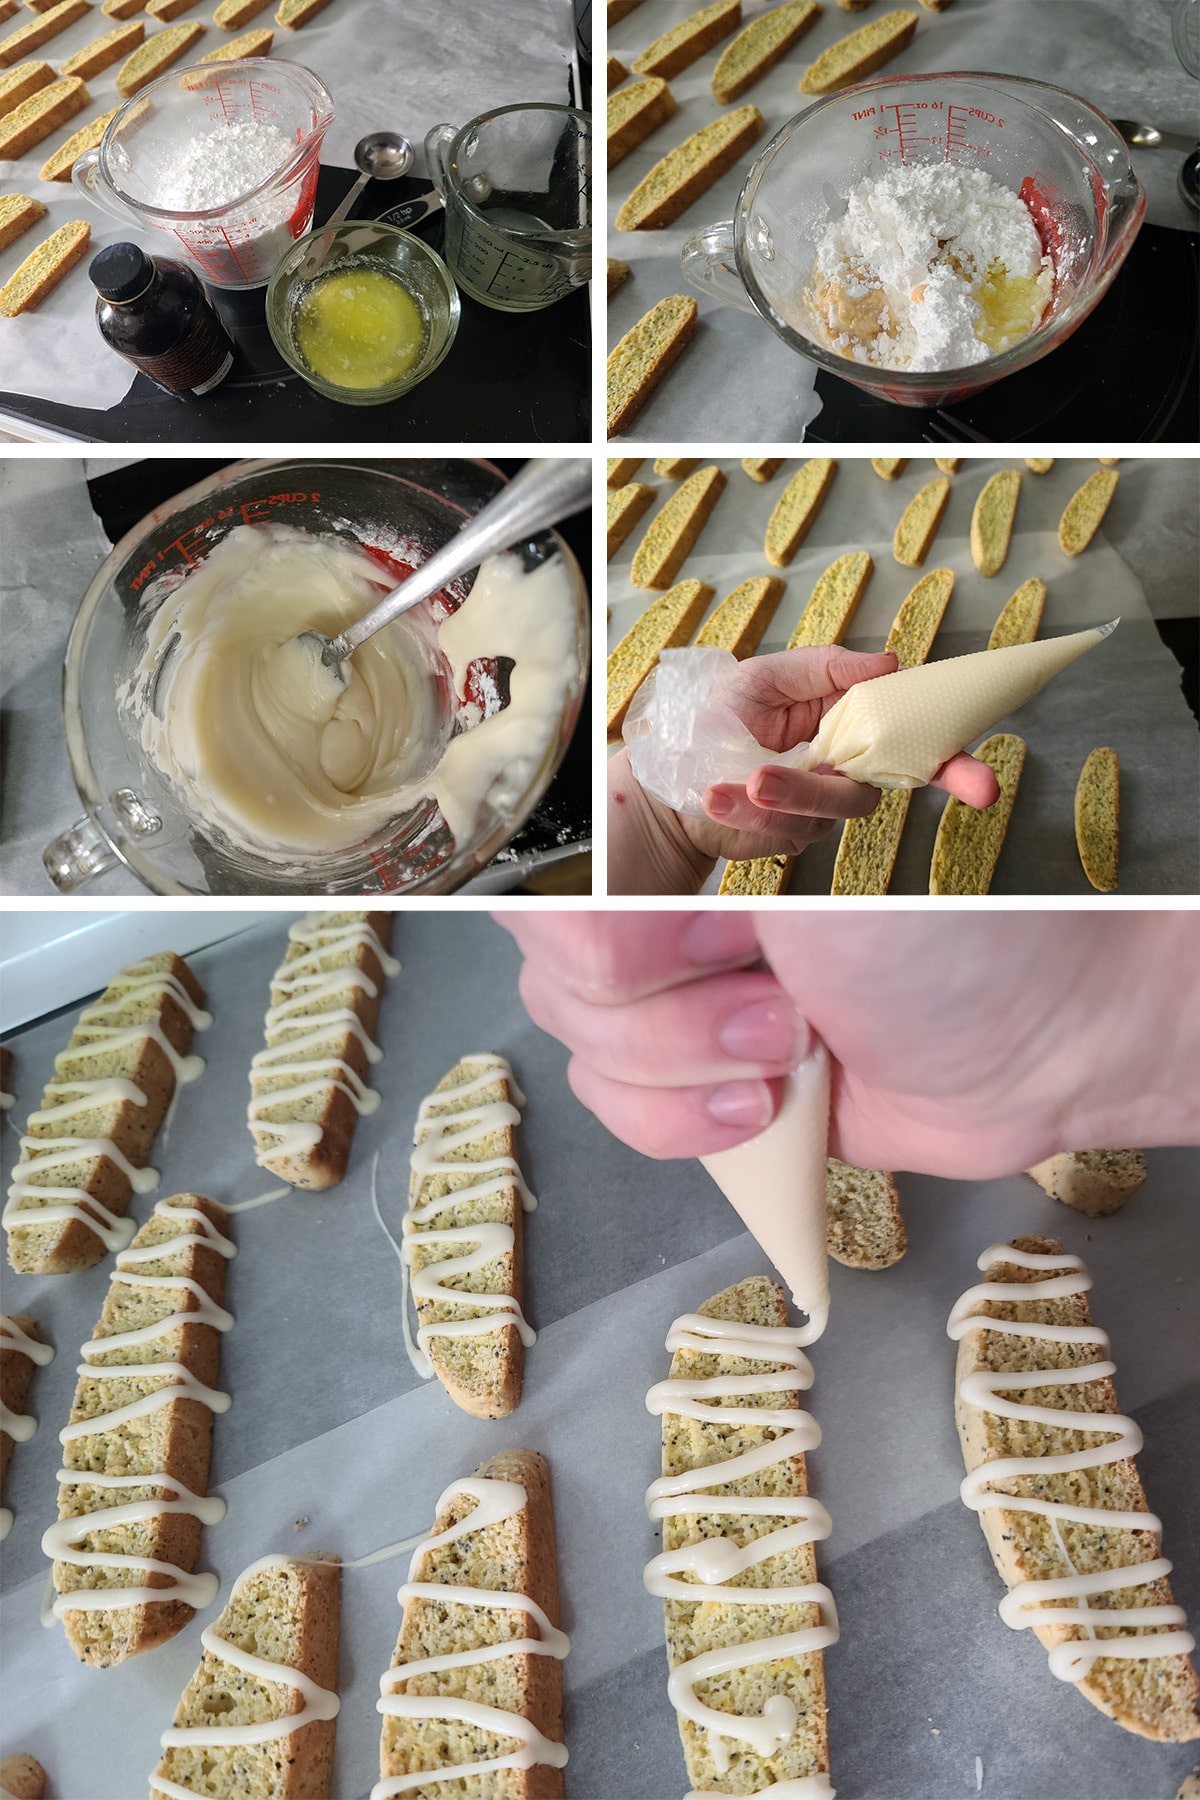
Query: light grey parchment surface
(1141, 564)
(330, 1425)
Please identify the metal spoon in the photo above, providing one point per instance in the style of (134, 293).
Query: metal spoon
(382, 156)
(1149, 137)
(544, 492)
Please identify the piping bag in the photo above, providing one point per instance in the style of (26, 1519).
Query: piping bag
(775, 1182)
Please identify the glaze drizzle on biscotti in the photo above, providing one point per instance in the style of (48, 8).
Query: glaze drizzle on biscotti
(19, 1426)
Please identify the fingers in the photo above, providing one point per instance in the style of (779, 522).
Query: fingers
(775, 799)
(969, 780)
(612, 958)
(811, 674)
(782, 834)
(663, 1122)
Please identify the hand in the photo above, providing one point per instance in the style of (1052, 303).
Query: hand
(964, 1045)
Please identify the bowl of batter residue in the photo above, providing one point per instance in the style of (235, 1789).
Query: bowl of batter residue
(362, 311)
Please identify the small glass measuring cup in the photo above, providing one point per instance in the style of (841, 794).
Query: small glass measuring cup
(1066, 161)
(236, 244)
(517, 186)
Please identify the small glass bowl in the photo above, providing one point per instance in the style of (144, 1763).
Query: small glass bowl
(361, 243)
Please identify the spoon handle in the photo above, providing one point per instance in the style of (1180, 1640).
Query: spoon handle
(343, 206)
(542, 493)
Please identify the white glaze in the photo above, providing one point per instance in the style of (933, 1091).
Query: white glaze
(714, 1562)
(19, 1426)
(60, 1542)
(1029, 1603)
(438, 1136)
(804, 1787)
(496, 1501)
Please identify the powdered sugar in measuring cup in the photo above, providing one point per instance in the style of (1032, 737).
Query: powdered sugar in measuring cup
(215, 168)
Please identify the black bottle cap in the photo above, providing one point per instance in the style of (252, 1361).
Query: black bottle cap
(120, 272)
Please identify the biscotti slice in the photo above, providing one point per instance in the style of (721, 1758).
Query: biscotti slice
(136, 1450)
(1039, 465)
(721, 1471)
(1097, 803)
(625, 508)
(855, 57)
(18, 213)
(690, 170)
(257, 1719)
(863, 1224)
(762, 468)
(620, 9)
(7, 1097)
(464, 1236)
(1064, 1514)
(477, 1683)
(121, 9)
(673, 531)
(643, 356)
(936, 5)
(919, 523)
(7, 9)
(992, 521)
(868, 847)
(949, 465)
(1084, 511)
(38, 116)
(634, 112)
(760, 876)
(1108, 462)
(834, 601)
(1095, 1182)
(21, 1352)
(231, 15)
(164, 10)
(968, 843)
(668, 624)
(39, 31)
(890, 468)
(675, 467)
(307, 1087)
(796, 508)
(680, 47)
(59, 166)
(293, 14)
(618, 275)
(17, 84)
(253, 43)
(615, 73)
(764, 42)
(743, 616)
(23, 1777)
(86, 1148)
(921, 612)
(102, 52)
(1020, 616)
(622, 469)
(156, 54)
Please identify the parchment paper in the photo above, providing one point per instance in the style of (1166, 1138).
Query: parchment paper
(389, 66)
(738, 381)
(1129, 698)
(330, 1425)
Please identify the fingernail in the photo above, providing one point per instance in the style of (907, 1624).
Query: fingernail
(745, 1103)
(770, 789)
(718, 805)
(720, 938)
(768, 1032)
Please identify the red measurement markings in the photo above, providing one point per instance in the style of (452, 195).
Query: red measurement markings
(1048, 212)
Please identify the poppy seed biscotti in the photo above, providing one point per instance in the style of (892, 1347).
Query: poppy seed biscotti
(992, 521)
(18, 214)
(252, 43)
(634, 113)
(681, 46)
(1095, 1182)
(689, 170)
(18, 83)
(764, 42)
(44, 268)
(60, 165)
(675, 467)
(1097, 818)
(22, 1349)
(796, 509)
(671, 535)
(85, 1150)
(23, 1776)
(667, 625)
(864, 1227)
(758, 875)
(1085, 510)
(41, 114)
(39, 31)
(921, 612)
(615, 73)
(762, 468)
(621, 469)
(617, 275)
(855, 57)
(639, 362)
(136, 1449)
(1020, 616)
(919, 523)
(270, 1670)
(155, 56)
(231, 15)
(968, 843)
(834, 601)
(742, 618)
(102, 52)
(625, 507)
(307, 1086)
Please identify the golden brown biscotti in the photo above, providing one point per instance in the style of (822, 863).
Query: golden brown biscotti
(620, 9)
(889, 468)
(864, 1227)
(515, 1555)
(919, 523)
(165, 10)
(796, 508)
(294, 14)
(762, 468)
(1095, 1182)
(1097, 808)
(634, 113)
(743, 616)
(681, 46)
(17, 84)
(1039, 465)
(86, 1147)
(992, 521)
(1084, 511)
(834, 601)
(638, 363)
(308, 1086)
(675, 467)
(41, 114)
(121, 9)
(23, 1777)
(157, 54)
(231, 15)
(470, 1118)
(102, 52)
(671, 534)
(167, 1443)
(949, 465)
(1190, 1787)
(58, 167)
(18, 213)
(968, 843)
(760, 876)
(668, 624)
(694, 1628)
(16, 1378)
(7, 9)
(618, 275)
(621, 469)
(253, 43)
(615, 73)
(284, 1611)
(855, 57)
(625, 507)
(921, 612)
(1020, 616)
(690, 170)
(39, 31)
(1156, 1697)
(44, 268)
(764, 42)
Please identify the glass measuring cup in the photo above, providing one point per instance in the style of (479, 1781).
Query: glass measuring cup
(399, 512)
(236, 244)
(517, 186)
(1065, 160)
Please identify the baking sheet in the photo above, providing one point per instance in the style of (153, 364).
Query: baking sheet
(387, 66)
(738, 381)
(1128, 697)
(330, 1425)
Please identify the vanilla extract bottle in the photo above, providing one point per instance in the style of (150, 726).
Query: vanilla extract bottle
(154, 312)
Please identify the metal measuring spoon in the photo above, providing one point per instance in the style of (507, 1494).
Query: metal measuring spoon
(382, 156)
(1149, 137)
